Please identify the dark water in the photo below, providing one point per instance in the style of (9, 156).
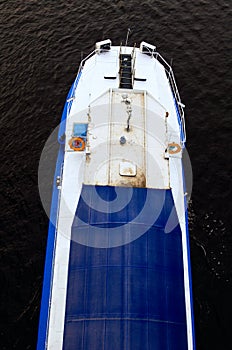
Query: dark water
(40, 50)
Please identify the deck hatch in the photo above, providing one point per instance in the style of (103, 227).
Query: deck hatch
(127, 169)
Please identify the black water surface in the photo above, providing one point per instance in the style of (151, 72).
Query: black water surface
(40, 50)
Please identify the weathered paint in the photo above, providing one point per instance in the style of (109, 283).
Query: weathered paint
(127, 131)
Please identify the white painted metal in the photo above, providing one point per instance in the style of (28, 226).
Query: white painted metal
(69, 197)
(176, 181)
(101, 44)
(147, 47)
(127, 168)
(150, 111)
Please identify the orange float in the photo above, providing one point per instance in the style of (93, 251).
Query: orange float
(174, 148)
(77, 143)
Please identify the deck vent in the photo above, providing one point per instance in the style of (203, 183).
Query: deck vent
(146, 48)
(104, 45)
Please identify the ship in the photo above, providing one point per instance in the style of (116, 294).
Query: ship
(117, 270)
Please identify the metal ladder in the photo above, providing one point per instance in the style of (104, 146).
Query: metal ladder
(125, 71)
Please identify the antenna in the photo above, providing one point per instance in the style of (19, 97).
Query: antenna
(127, 36)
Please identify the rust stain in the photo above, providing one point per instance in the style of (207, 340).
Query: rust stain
(88, 158)
(132, 181)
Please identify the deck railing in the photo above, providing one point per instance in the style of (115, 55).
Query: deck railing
(179, 105)
(170, 75)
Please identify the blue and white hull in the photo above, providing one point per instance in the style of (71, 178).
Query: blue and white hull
(117, 272)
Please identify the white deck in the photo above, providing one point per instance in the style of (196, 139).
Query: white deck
(99, 103)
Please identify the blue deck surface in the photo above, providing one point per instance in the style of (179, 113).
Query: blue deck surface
(129, 296)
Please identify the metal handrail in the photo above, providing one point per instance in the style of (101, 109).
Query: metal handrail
(176, 95)
(170, 75)
(85, 59)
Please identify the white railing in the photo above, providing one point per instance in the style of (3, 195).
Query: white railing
(85, 59)
(170, 75)
(96, 51)
(133, 56)
(176, 95)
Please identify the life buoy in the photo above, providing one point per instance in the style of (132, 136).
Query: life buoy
(77, 143)
(174, 148)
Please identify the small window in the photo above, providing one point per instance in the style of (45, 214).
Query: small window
(80, 130)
